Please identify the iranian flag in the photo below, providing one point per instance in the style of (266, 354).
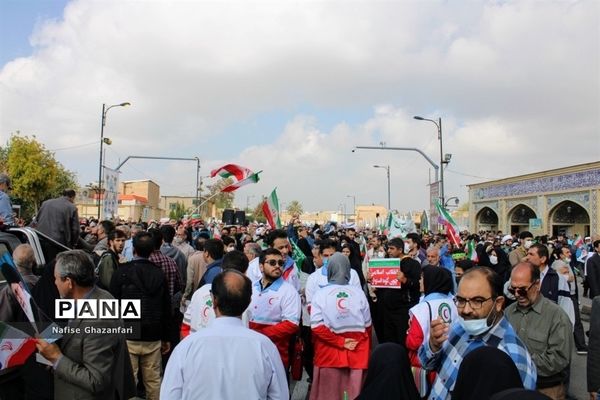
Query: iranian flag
(271, 210)
(243, 175)
(15, 346)
(451, 228)
(228, 170)
(253, 178)
(471, 253)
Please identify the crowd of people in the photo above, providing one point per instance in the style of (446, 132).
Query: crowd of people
(241, 311)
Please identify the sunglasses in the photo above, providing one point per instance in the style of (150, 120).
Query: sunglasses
(520, 291)
(273, 263)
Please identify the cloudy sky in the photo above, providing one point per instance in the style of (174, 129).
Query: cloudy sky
(290, 87)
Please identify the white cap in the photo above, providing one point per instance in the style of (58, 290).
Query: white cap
(506, 238)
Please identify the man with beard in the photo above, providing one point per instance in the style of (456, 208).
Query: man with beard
(518, 254)
(481, 322)
(275, 305)
(109, 261)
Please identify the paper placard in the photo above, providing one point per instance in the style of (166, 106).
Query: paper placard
(384, 273)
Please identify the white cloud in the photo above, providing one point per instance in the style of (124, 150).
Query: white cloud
(513, 82)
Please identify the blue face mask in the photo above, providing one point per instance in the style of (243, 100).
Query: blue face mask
(324, 267)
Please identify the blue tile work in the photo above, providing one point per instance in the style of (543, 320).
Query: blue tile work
(556, 183)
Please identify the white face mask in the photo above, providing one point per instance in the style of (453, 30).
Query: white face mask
(406, 248)
(494, 260)
(475, 327)
(380, 254)
(528, 244)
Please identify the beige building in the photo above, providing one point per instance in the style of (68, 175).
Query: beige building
(366, 215)
(564, 200)
(168, 203)
(137, 200)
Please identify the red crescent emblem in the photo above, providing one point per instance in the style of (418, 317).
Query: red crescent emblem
(271, 301)
(340, 304)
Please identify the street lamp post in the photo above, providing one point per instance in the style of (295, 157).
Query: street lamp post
(387, 168)
(104, 112)
(438, 124)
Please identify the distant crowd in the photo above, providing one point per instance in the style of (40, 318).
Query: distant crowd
(243, 311)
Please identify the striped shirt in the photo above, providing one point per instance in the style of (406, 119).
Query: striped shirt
(447, 360)
(169, 267)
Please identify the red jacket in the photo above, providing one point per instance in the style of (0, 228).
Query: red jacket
(330, 351)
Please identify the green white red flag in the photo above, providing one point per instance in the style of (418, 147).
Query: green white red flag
(270, 208)
(471, 253)
(446, 219)
(243, 175)
(236, 185)
(234, 170)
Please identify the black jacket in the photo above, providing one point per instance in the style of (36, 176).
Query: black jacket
(593, 359)
(142, 279)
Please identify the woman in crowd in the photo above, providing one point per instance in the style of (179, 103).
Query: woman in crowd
(341, 330)
(436, 285)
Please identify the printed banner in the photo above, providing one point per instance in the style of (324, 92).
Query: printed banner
(111, 193)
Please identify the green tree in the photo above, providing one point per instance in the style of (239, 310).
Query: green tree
(177, 210)
(222, 200)
(35, 174)
(258, 215)
(295, 208)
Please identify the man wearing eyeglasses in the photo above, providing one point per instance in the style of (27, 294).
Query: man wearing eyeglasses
(553, 286)
(275, 305)
(481, 322)
(544, 327)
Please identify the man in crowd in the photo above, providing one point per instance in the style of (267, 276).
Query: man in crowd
(167, 248)
(102, 230)
(213, 255)
(199, 313)
(593, 359)
(278, 240)
(250, 367)
(592, 271)
(196, 266)
(128, 248)
(252, 251)
(6, 212)
(433, 256)
(506, 243)
(87, 365)
(563, 267)
(412, 247)
(58, 219)
(141, 279)
(553, 285)
(518, 254)
(109, 261)
(544, 328)
(479, 302)
(24, 259)
(167, 264)
(275, 304)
